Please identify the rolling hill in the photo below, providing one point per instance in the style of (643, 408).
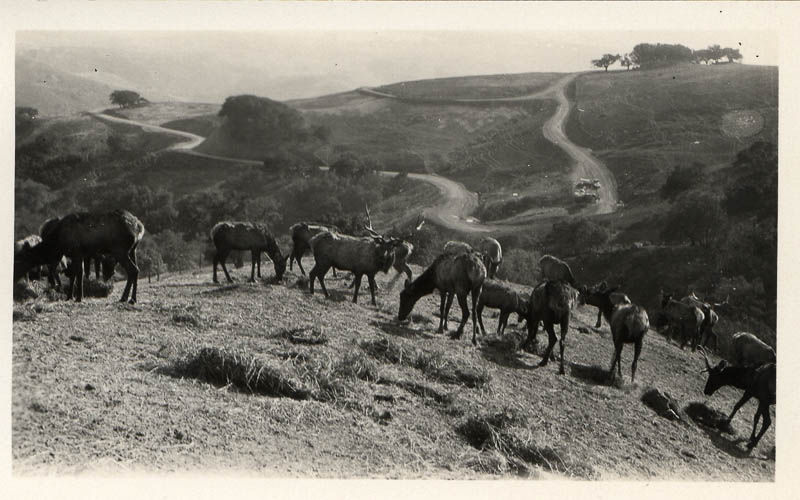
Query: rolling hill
(54, 92)
(643, 123)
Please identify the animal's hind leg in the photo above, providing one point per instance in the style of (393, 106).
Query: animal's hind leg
(136, 278)
(222, 255)
(372, 287)
(599, 319)
(300, 265)
(356, 286)
(132, 270)
(479, 314)
(503, 322)
(474, 294)
(637, 349)
(462, 302)
(533, 329)
(442, 300)
(745, 398)
(614, 358)
(447, 306)
(764, 426)
(551, 342)
(562, 341)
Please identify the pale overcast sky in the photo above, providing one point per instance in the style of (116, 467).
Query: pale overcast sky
(209, 65)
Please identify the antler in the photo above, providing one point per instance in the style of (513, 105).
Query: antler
(368, 227)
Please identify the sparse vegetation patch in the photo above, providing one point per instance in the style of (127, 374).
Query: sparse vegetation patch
(433, 364)
(502, 432)
(242, 371)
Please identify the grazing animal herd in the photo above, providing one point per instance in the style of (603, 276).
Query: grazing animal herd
(73, 241)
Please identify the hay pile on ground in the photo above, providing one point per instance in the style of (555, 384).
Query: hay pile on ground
(242, 371)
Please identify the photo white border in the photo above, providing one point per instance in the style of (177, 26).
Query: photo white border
(778, 17)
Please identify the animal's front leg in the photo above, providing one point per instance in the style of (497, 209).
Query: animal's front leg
(442, 299)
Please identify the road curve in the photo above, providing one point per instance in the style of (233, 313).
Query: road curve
(456, 203)
(584, 164)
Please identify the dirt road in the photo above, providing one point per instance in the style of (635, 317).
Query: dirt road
(452, 211)
(457, 202)
(584, 164)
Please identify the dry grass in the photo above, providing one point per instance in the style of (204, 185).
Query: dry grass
(434, 364)
(141, 386)
(240, 370)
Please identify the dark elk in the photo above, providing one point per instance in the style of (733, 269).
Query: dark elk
(302, 232)
(492, 255)
(228, 236)
(550, 302)
(616, 298)
(452, 274)
(554, 269)
(402, 250)
(25, 244)
(756, 381)
(749, 350)
(499, 295)
(710, 318)
(360, 255)
(80, 235)
(629, 324)
(687, 319)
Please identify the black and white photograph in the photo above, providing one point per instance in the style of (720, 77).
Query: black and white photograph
(418, 241)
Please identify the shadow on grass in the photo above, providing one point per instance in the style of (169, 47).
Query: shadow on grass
(594, 375)
(504, 354)
(714, 424)
(221, 290)
(399, 330)
(338, 295)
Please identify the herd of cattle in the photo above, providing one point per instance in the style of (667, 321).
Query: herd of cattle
(459, 271)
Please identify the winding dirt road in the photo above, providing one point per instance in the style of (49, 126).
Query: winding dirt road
(457, 202)
(584, 164)
(453, 210)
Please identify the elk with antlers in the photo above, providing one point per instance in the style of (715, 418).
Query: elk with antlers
(362, 256)
(756, 381)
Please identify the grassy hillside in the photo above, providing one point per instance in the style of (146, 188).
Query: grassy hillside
(470, 87)
(491, 148)
(643, 123)
(54, 92)
(344, 391)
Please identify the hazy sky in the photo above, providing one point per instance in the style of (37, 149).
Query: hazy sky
(285, 64)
